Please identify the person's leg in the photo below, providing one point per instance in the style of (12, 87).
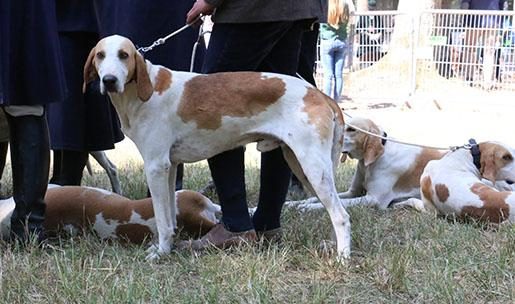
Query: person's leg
(275, 173)
(179, 177)
(30, 160)
(238, 47)
(339, 60)
(326, 58)
(72, 167)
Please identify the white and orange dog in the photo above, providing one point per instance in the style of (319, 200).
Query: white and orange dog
(180, 117)
(459, 184)
(387, 172)
(113, 217)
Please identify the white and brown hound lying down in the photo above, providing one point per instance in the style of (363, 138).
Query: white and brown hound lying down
(180, 117)
(113, 217)
(455, 184)
(387, 172)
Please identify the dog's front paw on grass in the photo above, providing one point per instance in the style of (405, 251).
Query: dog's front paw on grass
(328, 249)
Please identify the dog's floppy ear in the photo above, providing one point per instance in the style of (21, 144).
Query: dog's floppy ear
(373, 148)
(488, 167)
(143, 83)
(90, 71)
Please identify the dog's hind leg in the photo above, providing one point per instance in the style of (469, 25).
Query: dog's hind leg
(110, 169)
(318, 177)
(158, 178)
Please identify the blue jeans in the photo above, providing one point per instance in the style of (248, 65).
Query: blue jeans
(267, 47)
(332, 53)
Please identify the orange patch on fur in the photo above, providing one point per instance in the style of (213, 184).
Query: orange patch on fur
(191, 204)
(425, 187)
(207, 98)
(321, 111)
(163, 80)
(442, 192)
(411, 178)
(495, 209)
(134, 233)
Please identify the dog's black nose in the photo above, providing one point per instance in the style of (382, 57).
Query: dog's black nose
(509, 182)
(109, 82)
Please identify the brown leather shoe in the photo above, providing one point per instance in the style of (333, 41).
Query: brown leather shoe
(272, 236)
(219, 237)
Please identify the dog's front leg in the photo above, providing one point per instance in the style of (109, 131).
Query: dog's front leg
(356, 187)
(158, 182)
(172, 177)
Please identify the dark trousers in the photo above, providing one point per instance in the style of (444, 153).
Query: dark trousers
(266, 47)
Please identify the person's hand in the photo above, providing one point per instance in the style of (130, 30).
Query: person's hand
(200, 7)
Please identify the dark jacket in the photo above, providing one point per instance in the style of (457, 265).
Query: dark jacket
(250, 11)
(82, 122)
(31, 72)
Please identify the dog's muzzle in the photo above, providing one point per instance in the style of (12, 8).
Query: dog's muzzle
(110, 83)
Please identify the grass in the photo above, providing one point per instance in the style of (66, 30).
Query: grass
(398, 256)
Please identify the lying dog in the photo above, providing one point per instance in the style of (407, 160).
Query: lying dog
(387, 172)
(114, 217)
(180, 117)
(454, 185)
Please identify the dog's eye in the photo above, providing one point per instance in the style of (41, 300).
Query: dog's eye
(349, 129)
(507, 157)
(123, 55)
(101, 55)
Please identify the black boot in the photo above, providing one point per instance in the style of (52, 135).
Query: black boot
(30, 160)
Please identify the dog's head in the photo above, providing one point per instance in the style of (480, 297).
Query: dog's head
(497, 162)
(116, 62)
(359, 145)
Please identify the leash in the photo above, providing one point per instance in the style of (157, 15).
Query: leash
(162, 40)
(384, 139)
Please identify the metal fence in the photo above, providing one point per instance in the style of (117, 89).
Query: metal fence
(471, 48)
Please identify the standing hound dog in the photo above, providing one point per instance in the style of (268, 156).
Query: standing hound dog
(459, 183)
(180, 117)
(114, 217)
(387, 172)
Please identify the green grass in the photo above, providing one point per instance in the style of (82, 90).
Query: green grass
(398, 256)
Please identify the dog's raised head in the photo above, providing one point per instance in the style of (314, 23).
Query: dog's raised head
(497, 162)
(116, 61)
(359, 145)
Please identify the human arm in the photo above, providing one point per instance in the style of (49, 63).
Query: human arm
(204, 7)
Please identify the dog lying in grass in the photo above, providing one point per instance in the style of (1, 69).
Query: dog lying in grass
(113, 217)
(387, 172)
(471, 184)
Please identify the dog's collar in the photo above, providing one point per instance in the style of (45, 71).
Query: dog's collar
(383, 140)
(476, 154)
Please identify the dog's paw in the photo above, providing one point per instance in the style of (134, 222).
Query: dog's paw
(154, 252)
(328, 248)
